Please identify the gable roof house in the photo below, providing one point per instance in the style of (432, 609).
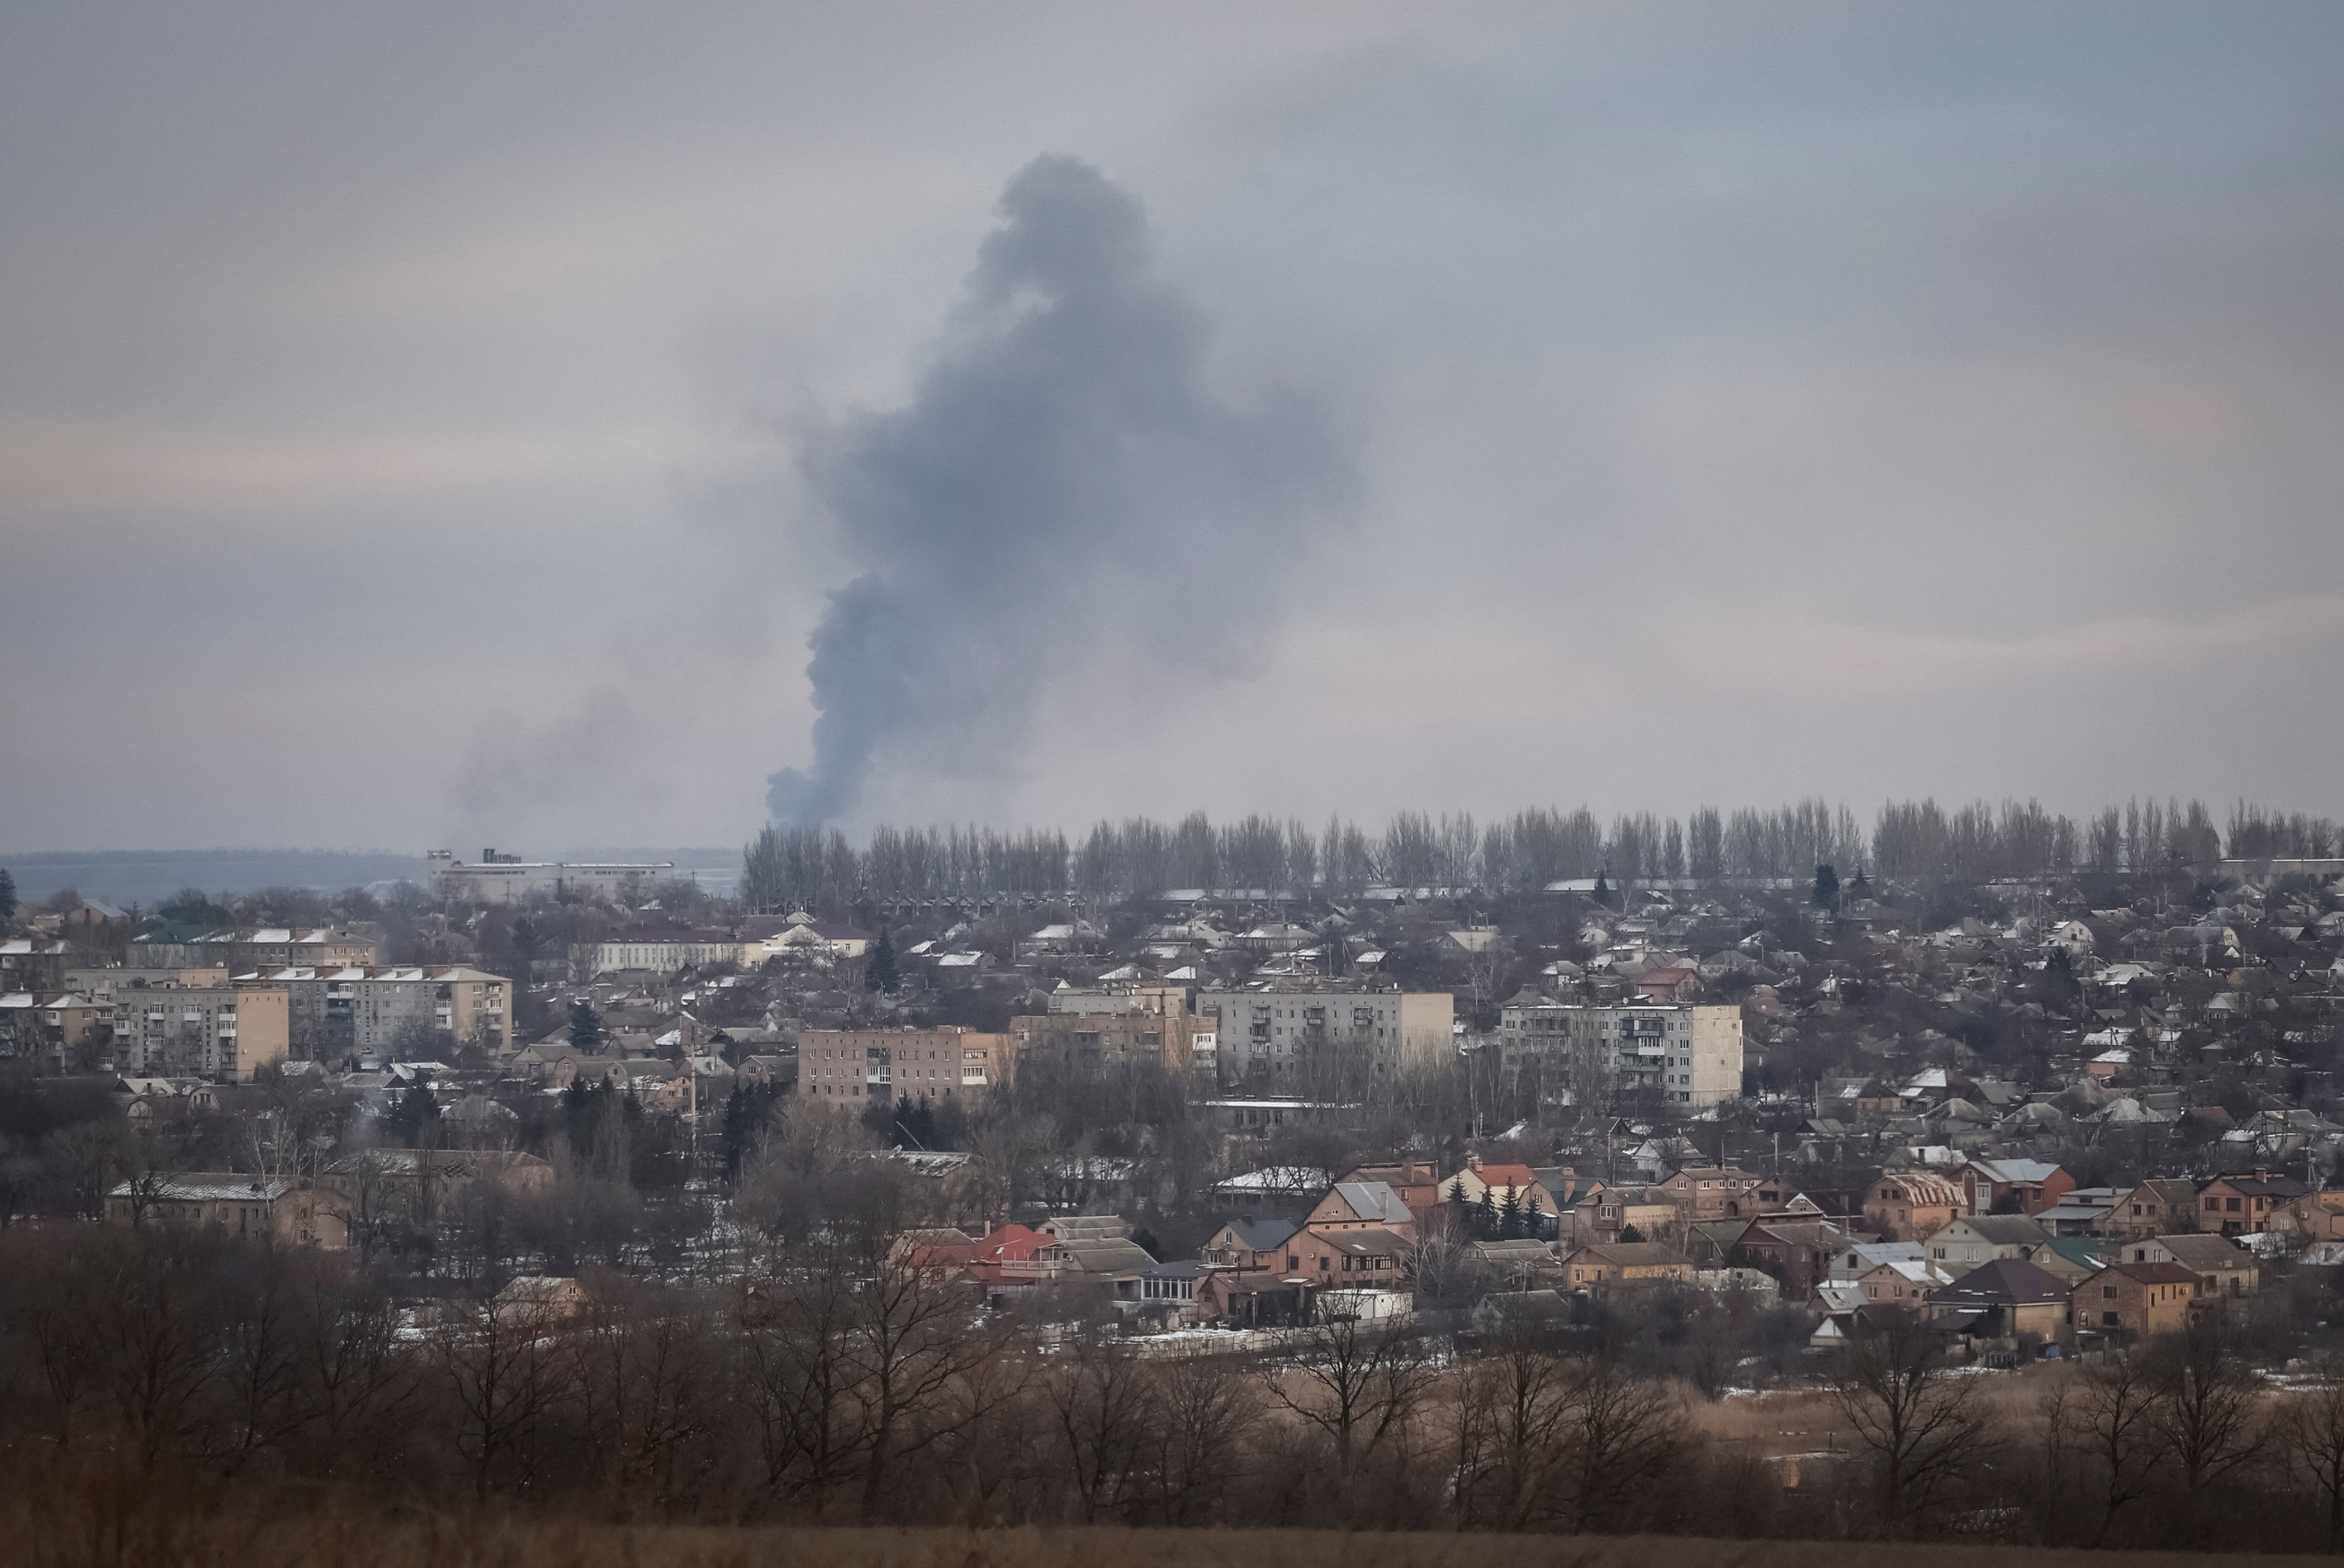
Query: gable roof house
(2244, 1205)
(1359, 1206)
(1963, 1243)
(1251, 1245)
(2134, 1300)
(2157, 1207)
(2001, 1299)
(1722, 1192)
(1905, 1205)
(2005, 1186)
(2223, 1267)
(1903, 1282)
(1616, 1264)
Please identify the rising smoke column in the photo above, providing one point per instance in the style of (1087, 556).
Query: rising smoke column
(1061, 486)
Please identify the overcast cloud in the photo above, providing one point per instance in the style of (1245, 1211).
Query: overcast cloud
(405, 413)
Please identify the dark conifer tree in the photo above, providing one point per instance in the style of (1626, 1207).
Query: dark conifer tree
(881, 975)
(585, 1027)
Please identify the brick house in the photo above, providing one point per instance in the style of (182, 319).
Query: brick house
(1252, 1246)
(1799, 1252)
(2222, 1266)
(2137, 1300)
(1974, 1238)
(2012, 1186)
(1614, 1264)
(1352, 1259)
(2004, 1298)
(2154, 1208)
(1722, 1192)
(2244, 1205)
(1906, 1205)
(1361, 1206)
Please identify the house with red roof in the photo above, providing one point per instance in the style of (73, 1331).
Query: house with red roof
(1497, 1180)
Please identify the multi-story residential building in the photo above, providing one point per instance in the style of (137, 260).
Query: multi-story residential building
(1266, 1036)
(1688, 1054)
(1124, 999)
(196, 1023)
(31, 964)
(255, 948)
(64, 1030)
(857, 1066)
(1173, 1041)
(337, 1012)
(509, 879)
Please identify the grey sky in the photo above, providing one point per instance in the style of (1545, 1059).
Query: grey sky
(401, 410)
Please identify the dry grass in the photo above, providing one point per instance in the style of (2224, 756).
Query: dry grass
(327, 1542)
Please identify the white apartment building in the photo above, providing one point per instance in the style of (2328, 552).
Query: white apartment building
(509, 879)
(1264, 1034)
(1687, 1053)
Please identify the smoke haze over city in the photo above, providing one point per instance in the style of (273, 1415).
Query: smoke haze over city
(454, 427)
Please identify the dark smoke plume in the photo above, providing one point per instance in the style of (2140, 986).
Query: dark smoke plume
(1061, 488)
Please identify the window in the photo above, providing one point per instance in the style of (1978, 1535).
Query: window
(2110, 1291)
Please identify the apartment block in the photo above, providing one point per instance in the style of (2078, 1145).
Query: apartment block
(195, 1023)
(1687, 1054)
(337, 1012)
(255, 948)
(857, 1066)
(1176, 1041)
(1265, 1033)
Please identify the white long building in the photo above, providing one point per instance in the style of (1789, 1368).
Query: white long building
(1264, 1034)
(1688, 1054)
(509, 879)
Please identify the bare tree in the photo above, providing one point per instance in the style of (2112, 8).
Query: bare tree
(154, 1331)
(911, 1335)
(2205, 1404)
(2113, 1410)
(1924, 1430)
(1509, 1420)
(1207, 1412)
(646, 1383)
(501, 1362)
(355, 1376)
(2310, 1434)
(1356, 1383)
(1621, 1430)
(1103, 1404)
(793, 1323)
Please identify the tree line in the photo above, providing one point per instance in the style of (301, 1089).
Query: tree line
(829, 1377)
(1909, 841)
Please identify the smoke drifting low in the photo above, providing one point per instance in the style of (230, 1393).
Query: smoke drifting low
(1062, 488)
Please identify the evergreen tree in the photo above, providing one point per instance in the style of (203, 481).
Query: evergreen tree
(583, 1110)
(7, 896)
(1460, 1207)
(1510, 1216)
(746, 1111)
(1485, 1218)
(585, 1027)
(1602, 893)
(1826, 886)
(881, 976)
(1533, 1220)
(914, 1125)
(417, 1109)
(1630, 1233)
